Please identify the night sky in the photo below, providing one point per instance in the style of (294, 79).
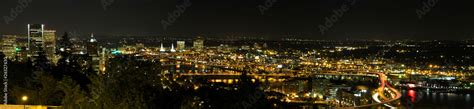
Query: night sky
(366, 19)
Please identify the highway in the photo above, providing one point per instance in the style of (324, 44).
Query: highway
(384, 84)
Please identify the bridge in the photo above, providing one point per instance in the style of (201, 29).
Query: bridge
(384, 87)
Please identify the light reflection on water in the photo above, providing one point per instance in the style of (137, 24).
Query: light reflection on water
(423, 98)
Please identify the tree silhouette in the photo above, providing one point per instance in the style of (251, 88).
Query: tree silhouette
(127, 84)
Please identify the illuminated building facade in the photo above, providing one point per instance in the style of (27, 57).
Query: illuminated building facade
(198, 44)
(8, 46)
(180, 45)
(103, 60)
(92, 46)
(49, 38)
(35, 39)
(92, 50)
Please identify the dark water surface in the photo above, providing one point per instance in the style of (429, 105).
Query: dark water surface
(426, 99)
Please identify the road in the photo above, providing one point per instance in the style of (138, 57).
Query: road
(384, 84)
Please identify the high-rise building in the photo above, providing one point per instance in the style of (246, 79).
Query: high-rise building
(35, 38)
(180, 45)
(198, 44)
(8, 46)
(49, 38)
(103, 60)
(93, 51)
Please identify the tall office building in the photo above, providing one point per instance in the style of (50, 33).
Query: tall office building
(103, 60)
(49, 47)
(198, 44)
(93, 52)
(8, 46)
(180, 45)
(35, 38)
(92, 46)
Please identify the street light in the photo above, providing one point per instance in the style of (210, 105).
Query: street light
(24, 98)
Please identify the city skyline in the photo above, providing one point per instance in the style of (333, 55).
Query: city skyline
(234, 35)
(236, 54)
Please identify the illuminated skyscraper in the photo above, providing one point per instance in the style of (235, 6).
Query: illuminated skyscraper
(35, 39)
(180, 45)
(92, 50)
(198, 44)
(49, 38)
(103, 60)
(8, 46)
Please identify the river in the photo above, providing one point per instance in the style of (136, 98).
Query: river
(426, 99)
